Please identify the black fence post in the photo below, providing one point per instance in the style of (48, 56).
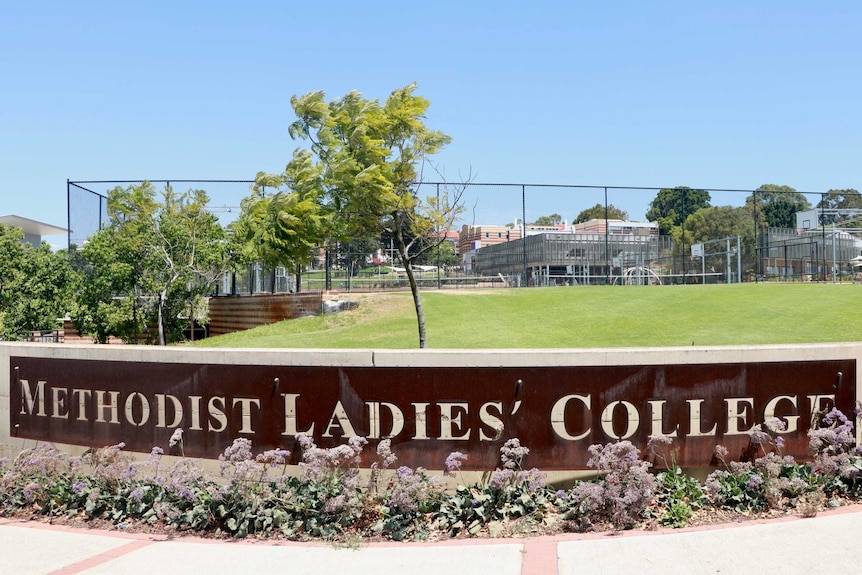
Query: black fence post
(524, 231)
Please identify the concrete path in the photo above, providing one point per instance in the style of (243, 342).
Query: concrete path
(788, 546)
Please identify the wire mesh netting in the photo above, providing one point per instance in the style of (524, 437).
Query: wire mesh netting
(492, 215)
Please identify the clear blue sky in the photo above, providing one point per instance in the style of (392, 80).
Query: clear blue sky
(720, 94)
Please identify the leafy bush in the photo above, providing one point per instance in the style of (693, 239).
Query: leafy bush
(620, 496)
(511, 492)
(327, 498)
(677, 494)
(837, 462)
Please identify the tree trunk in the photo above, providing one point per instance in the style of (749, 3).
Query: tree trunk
(414, 287)
(162, 297)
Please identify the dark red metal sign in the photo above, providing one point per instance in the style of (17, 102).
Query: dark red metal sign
(428, 412)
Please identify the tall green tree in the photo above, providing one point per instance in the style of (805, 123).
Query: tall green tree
(282, 222)
(597, 212)
(35, 285)
(372, 158)
(189, 251)
(777, 205)
(718, 222)
(110, 301)
(671, 206)
(12, 254)
(150, 265)
(446, 254)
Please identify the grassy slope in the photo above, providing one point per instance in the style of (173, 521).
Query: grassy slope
(580, 317)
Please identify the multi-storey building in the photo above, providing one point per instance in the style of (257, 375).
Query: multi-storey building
(586, 253)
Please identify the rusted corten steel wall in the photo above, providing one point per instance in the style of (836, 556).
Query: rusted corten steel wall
(236, 313)
(429, 404)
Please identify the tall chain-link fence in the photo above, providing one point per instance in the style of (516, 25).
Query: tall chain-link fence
(498, 239)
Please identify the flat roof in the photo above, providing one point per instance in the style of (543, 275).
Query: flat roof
(32, 226)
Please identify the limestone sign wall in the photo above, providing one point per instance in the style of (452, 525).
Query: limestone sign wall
(429, 403)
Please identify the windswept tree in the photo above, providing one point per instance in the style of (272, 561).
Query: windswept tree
(371, 159)
(597, 212)
(282, 227)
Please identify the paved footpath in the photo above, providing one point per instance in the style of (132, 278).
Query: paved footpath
(788, 546)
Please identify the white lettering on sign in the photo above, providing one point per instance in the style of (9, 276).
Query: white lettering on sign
(573, 417)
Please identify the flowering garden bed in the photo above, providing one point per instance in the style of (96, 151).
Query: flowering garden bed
(329, 499)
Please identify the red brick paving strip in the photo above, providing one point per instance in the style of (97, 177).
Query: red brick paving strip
(96, 560)
(540, 557)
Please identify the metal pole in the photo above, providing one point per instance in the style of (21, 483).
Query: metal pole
(727, 267)
(524, 230)
(823, 233)
(438, 239)
(756, 238)
(607, 246)
(69, 214)
(738, 261)
(833, 252)
(684, 266)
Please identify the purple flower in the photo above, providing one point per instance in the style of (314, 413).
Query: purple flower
(754, 482)
(357, 443)
(500, 477)
(833, 416)
(759, 437)
(775, 425)
(512, 453)
(403, 472)
(384, 452)
(137, 494)
(453, 463)
(239, 450)
(186, 493)
(78, 487)
(273, 457)
(657, 442)
(30, 491)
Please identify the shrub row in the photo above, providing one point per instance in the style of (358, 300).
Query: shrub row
(329, 498)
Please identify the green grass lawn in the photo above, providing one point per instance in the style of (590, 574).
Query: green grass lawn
(578, 317)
